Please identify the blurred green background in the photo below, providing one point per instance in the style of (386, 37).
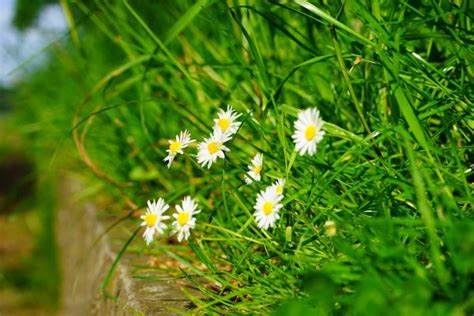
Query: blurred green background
(29, 272)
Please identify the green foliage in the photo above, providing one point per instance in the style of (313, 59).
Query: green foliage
(392, 172)
(27, 11)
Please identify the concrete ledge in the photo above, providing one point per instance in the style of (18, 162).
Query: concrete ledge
(85, 265)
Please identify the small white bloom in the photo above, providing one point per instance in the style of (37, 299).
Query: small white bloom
(279, 186)
(308, 131)
(255, 168)
(184, 217)
(267, 207)
(226, 121)
(153, 219)
(212, 148)
(183, 139)
(331, 229)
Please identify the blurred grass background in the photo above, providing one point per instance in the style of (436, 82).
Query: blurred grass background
(29, 273)
(393, 79)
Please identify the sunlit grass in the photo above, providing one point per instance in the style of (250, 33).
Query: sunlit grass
(392, 82)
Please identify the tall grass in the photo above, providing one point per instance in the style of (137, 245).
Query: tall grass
(393, 81)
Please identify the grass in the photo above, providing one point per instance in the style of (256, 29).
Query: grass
(392, 79)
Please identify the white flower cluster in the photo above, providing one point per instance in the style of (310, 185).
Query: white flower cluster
(225, 126)
(308, 133)
(184, 218)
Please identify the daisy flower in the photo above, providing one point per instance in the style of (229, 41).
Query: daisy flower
(153, 219)
(183, 139)
(267, 207)
(226, 121)
(278, 186)
(331, 229)
(184, 217)
(308, 131)
(212, 148)
(255, 168)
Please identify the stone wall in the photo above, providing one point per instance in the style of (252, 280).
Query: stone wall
(86, 259)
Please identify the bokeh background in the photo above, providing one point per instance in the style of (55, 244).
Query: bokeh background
(29, 278)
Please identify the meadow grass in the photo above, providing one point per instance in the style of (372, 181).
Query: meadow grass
(393, 82)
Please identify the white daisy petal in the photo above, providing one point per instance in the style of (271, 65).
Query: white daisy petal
(255, 168)
(185, 218)
(212, 148)
(267, 207)
(153, 218)
(308, 131)
(248, 180)
(279, 186)
(226, 121)
(183, 139)
(148, 235)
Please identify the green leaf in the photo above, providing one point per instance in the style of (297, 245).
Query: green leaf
(185, 19)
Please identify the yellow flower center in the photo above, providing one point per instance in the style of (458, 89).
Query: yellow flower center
(150, 219)
(183, 218)
(213, 147)
(331, 231)
(310, 132)
(257, 169)
(330, 228)
(279, 189)
(267, 208)
(174, 147)
(223, 124)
